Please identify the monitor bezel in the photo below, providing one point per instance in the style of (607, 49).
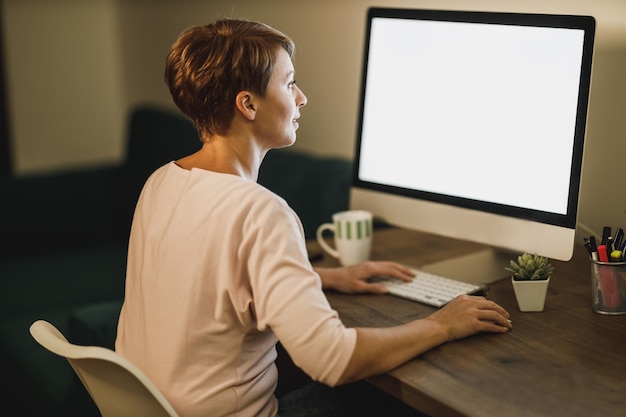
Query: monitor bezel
(585, 23)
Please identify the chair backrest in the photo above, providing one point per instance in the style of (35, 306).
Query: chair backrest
(117, 386)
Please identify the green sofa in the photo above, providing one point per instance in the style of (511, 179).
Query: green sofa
(66, 235)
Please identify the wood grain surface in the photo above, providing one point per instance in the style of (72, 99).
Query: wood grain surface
(564, 361)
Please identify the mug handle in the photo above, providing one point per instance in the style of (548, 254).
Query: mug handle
(320, 239)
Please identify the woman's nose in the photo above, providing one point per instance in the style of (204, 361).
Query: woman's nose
(301, 99)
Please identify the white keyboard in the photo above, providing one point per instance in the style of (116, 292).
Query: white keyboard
(428, 288)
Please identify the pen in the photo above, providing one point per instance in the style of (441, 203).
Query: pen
(602, 254)
(609, 244)
(606, 232)
(618, 238)
(594, 248)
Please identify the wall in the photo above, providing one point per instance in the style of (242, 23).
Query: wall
(76, 67)
(64, 82)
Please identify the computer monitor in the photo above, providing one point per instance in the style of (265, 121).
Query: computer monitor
(472, 126)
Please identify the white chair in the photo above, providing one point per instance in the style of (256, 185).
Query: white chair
(117, 386)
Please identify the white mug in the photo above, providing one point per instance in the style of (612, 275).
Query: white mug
(353, 236)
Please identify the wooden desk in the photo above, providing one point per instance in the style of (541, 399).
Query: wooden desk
(564, 361)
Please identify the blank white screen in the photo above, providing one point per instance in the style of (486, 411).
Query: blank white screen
(480, 111)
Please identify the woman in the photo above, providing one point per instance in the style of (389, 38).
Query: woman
(217, 264)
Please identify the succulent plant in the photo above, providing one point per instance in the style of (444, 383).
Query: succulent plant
(530, 267)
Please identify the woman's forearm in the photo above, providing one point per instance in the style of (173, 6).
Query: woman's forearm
(379, 350)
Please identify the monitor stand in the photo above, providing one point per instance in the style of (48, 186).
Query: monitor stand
(483, 267)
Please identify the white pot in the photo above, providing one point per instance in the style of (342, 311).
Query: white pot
(530, 295)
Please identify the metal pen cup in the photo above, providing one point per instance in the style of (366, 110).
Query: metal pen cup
(608, 287)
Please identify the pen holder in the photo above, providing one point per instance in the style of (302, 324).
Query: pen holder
(608, 287)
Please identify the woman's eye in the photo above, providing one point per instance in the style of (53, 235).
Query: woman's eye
(292, 83)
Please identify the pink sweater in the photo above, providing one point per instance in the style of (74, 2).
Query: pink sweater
(217, 271)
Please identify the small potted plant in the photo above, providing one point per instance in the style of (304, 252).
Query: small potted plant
(530, 277)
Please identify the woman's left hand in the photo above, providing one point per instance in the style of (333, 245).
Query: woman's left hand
(354, 279)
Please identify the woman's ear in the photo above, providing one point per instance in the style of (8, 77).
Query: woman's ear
(246, 104)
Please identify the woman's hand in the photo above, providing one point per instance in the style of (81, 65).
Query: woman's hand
(354, 279)
(466, 315)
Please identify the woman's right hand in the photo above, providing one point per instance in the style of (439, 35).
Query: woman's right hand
(467, 315)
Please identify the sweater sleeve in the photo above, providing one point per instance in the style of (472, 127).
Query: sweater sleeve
(288, 296)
